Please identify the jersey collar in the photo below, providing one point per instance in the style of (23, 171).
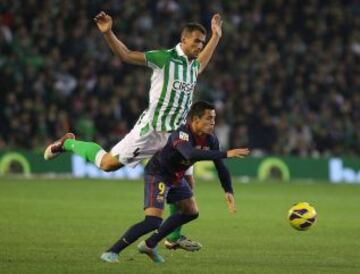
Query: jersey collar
(181, 53)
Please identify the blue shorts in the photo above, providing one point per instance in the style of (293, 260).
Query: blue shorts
(156, 192)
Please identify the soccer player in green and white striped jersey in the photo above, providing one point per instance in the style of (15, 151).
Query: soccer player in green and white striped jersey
(175, 73)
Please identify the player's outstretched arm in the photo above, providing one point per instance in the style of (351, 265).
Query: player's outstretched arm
(238, 153)
(104, 22)
(225, 180)
(193, 154)
(206, 54)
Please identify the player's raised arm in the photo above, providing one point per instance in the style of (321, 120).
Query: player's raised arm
(104, 22)
(208, 51)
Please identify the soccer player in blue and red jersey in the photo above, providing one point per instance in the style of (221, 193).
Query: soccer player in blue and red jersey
(164, 181)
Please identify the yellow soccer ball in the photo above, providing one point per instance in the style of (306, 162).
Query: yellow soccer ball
(302, 216)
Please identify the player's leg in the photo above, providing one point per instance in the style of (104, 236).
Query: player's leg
(93, 153)
(129, 151)
(173, 237)
(153, 204)
(155, 196)
(150, 223)
(90, 151)
(132, 149)
(175, 240)
(181, 195)
(136, 146)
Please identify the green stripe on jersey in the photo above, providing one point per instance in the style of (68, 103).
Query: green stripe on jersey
(171, 100)
(192, 73)
(177, 110)
(186, 110)
(162, 96)
(184, 70)
(167, 110)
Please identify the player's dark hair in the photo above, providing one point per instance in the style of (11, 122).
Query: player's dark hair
(190, 27)
(198, 109)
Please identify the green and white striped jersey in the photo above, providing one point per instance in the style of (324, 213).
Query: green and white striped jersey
(172, 86)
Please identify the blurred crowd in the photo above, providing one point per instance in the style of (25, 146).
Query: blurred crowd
(285, 77)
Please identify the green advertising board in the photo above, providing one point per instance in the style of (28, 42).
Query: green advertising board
(287, 168)
(262, 168)
(28, 162)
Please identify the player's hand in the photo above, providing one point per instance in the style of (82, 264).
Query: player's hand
(103, 21)
(230, 200)
(216, 25)
(238, 153)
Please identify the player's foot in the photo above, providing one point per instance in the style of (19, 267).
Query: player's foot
(56, 148)
(151, 252)
(109, 257)
(183, 243)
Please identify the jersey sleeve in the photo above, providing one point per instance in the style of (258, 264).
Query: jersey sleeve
(179, 136)
(156, 59)
(223, 172)
(185, 147)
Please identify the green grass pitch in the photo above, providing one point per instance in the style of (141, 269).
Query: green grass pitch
(62, 226)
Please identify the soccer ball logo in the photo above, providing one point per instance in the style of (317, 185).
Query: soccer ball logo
(302, 216)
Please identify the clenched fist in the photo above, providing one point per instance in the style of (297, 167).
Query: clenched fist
(104, 22)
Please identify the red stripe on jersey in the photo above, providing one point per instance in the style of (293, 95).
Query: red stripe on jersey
(176, 142)
(151, 191)
(201, 140)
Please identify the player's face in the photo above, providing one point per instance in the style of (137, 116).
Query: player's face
(193, 43)
(206, 123)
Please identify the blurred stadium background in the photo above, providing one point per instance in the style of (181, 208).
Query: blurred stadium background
(286, 82)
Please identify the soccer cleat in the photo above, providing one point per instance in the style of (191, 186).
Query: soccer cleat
(56, 148)
(151, 252)
(183, 243)
(109, 257)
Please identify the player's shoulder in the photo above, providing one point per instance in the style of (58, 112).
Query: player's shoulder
(183, 133)
(157, 58)
(183, 129)
(159, 52)
(175, 57)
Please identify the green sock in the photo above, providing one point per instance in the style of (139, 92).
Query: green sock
(87, 150)
(175, 235)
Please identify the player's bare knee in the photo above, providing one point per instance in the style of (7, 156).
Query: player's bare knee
(195, 215)
(188, 206)
(109, 163)
(193, 210)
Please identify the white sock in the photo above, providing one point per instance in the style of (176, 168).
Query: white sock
(99, 156)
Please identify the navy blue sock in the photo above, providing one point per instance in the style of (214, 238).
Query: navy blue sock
(133, 233)
(169, 226)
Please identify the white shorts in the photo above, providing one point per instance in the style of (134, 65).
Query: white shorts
(134, 148)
